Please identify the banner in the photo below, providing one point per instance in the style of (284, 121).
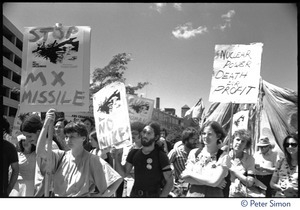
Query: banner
(236, 73)
(140, 109)
(240, 120)
(111, 115)
(55, 69)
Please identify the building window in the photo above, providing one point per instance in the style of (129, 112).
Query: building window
(5, 91)
(7, 53)
(16, 78)
(5, 110)
(12, 112)
(19, 44)
(6, 72)
(7, 34)
(15, 96)
(18, 61)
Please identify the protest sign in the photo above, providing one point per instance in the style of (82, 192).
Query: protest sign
(111, 115)
(74, 116)
(240, 120)
(55, 69)
(236, 73)
(140, 109)
(78, 116)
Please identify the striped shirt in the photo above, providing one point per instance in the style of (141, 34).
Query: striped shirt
(178, 157)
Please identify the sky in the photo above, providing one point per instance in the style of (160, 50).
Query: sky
(172, 45)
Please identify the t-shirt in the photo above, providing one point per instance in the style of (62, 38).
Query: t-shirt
(178, 157)
(9, 155)
(147, 168)
(245, 165)
(26, 166)
(267, 160)
(25, 183)
(287, 176)
(79, 177)
(205, 163)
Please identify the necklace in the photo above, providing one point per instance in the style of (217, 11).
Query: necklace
(205, 158)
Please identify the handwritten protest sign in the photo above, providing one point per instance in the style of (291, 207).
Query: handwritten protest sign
(240, 120)
(111, 115)
(74, 116)
(140, 109)
(55, 69)
(236, 73)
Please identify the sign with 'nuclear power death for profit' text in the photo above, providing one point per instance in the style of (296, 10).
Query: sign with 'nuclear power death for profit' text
(236, 73)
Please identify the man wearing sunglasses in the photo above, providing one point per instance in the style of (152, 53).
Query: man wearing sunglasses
(265, 162)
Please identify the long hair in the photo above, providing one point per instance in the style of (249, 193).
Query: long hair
(286, 153)
(156, 128)
(31, 124)
(20, 147)
(218, 129)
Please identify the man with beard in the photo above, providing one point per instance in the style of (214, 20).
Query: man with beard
(178, 157)
(151, 165)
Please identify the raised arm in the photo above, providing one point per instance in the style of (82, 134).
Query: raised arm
(40, 146)
(123, 170)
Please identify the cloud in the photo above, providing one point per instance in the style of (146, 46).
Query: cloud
(187, 31)
(227, 18)
(158, 6)
(178, 6)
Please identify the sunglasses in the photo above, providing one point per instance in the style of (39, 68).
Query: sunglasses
(292, 144)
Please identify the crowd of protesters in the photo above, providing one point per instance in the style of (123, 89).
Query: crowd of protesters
(200, 164)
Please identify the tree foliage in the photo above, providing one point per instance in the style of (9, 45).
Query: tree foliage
(174, 134)
(114, 72)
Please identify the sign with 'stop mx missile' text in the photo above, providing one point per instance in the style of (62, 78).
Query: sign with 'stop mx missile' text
(236, 73)
(55, 69)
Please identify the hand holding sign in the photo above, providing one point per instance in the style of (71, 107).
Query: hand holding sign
(50, 115)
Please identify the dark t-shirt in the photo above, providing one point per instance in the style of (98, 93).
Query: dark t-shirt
(147, 168)
(9, 155)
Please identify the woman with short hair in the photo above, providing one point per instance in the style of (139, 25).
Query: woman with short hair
(242, 170)
(77, 173)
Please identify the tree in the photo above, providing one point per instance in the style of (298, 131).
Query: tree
(113, 72)
(174, 134)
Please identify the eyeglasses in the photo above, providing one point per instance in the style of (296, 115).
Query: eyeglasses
(292, 144)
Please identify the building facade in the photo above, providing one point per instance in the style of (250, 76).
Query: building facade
(166, 120)
(11, 68)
